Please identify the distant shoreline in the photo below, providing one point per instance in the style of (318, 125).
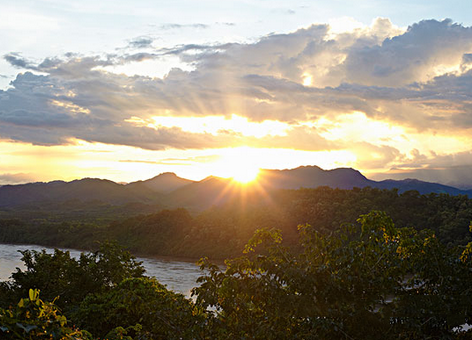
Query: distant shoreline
(135, 254)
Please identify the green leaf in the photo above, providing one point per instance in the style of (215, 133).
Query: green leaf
(33, 294)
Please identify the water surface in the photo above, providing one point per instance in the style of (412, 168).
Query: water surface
(179, 276)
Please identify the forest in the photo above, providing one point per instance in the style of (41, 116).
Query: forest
(222, 230)
(366, 280)
(305, 264)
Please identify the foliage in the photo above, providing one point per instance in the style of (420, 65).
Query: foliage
(222, 230)
(103, 292)
(34, 319)
(367, 282)
(60, 275)
(141, 308)
(155, 232)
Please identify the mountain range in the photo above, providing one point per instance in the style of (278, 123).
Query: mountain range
(169, 191)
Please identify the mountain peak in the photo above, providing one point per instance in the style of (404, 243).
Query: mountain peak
(167, 174)
(211, 178)
(165, 182)
(312, 176)
(349, 172)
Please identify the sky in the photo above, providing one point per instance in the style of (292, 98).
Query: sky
(125, 90)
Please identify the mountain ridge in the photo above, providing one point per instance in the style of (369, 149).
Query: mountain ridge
(165, 182)
(171, 190)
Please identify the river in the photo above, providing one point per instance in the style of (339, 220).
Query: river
(179, 276)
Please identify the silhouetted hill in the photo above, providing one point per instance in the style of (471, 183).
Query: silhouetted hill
(420, 186)
(215, 191)
(312, 177)
(163, 183)
(88, 189)
(169, 190)
(203, 194)
(346, 178)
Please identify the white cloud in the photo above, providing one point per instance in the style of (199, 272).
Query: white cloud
(417, 81)
(451, 169)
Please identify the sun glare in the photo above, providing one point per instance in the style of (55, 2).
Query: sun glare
(245, 175)
(307, 79)
(240, 164)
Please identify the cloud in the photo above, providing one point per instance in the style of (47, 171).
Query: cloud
(452, 169)
(178, 161)
(141, 42)
(18, 178)
(96, 106)
(16, 60)
(284, 11)
(137, 57)
(372, 156)
(139, 161)
(413, 56)
(173, 26)
(419, 79)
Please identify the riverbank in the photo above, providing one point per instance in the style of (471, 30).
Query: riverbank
(178, 275)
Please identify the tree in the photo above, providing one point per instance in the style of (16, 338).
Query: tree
(144, 309)
(33, 319)
(70, 280)
(365, 281)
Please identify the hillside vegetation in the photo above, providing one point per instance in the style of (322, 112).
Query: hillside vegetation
(222, 230)
(370, 280)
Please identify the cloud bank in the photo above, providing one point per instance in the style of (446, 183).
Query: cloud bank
(419, 79)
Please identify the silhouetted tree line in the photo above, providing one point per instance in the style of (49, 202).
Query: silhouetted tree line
(222, 231)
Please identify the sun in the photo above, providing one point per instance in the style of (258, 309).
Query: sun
(240, 164)
(245, 175)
